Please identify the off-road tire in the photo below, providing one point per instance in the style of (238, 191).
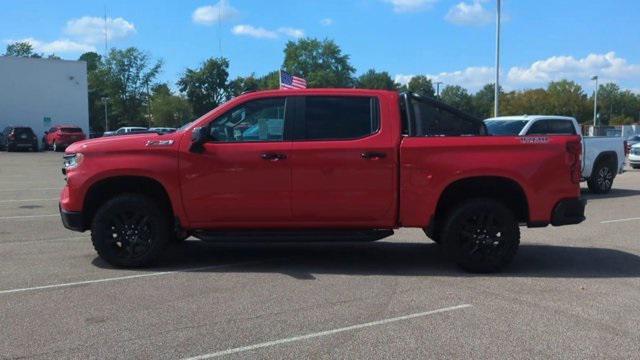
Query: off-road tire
(481, 235)
(130, 230)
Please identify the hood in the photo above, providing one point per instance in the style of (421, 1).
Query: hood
(120, 143)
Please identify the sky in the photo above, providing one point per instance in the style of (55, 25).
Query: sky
(452, 41)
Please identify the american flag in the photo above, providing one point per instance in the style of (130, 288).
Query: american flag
(288, 81)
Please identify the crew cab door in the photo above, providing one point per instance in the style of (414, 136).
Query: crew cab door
(344, 163)
(243, 176)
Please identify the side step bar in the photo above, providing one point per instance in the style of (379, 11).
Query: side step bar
(270, 235)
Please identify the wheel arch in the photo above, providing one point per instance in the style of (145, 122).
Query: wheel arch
(105, 189)
(503, 189)
(605, 156)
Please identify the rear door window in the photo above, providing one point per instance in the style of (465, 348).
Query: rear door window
(561, 127)
(539, 128)
(338, 117)
(552, 127)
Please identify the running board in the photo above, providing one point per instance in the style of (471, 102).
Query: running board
(269, 235)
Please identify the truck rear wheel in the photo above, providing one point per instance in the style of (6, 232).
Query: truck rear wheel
(481, 235)
(130, 230)
(601, 179)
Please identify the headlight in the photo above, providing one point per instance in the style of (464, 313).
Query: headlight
(72, 161)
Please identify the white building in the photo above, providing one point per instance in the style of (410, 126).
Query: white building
(40, 93)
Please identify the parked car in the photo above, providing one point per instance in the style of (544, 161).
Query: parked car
(18, 138)
(346, 164)
(125, 131)
(635, 139)
(130, 129)
(634, 156)
(162, 129)
(60, 136)
(603, 157)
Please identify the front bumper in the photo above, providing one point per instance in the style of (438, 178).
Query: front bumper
(569, 212)
(72, 220)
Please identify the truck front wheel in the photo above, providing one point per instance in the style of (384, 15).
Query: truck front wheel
(130, 230)
(481, 235)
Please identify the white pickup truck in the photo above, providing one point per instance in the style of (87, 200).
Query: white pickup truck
(602, 157)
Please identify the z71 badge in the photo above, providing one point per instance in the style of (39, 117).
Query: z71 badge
(534, 139)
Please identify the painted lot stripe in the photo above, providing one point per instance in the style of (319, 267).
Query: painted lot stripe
(619, 220)
(13, 241)
(27, 217)
(27, 200)
(326, 333)
(129, 277)
(32, 189)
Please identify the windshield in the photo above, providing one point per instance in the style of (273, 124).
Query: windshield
(23, 130)
(505, 127)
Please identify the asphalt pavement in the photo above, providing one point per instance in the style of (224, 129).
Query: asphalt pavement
(572, 292)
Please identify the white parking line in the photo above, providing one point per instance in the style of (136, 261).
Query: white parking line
(326, 333)
(26, 217)
(27, 200)
(31, 189)
(14, 241)
(619, 220)
(137, 276)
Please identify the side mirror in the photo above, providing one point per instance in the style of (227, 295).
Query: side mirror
(199, 136)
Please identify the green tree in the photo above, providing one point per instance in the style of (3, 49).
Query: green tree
(207, 86)
(567, 98)
(376, 80)
(458, 97)
(621, 120)
(421, 85)
(534, 101)
(269, 81)
(169, 110)
(98, 84)
(129, 74)
(243, 84)
(93, 60)
(483, 101)
(321, 63)
(21, 49)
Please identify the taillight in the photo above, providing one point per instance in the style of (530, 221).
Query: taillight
(574, 149)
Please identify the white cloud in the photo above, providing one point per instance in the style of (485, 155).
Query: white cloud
(91, 29)
(256, 32)
(294, 33)
(211, 14)
(469, 14)
(326, 22)
(609, 67)
(61, 46)
(403, 6)
(262, 33)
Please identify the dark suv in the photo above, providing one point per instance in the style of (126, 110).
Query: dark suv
(17, 138)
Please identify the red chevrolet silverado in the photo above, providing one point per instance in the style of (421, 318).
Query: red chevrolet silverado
(322, 164)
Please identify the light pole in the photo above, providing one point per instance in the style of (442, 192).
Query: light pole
(438, 83)
(595, 103)
(496, 90)
(105, 100)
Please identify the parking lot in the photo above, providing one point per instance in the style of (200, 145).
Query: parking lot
(572, 292)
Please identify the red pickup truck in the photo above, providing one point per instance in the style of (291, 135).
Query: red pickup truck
(322, 164)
